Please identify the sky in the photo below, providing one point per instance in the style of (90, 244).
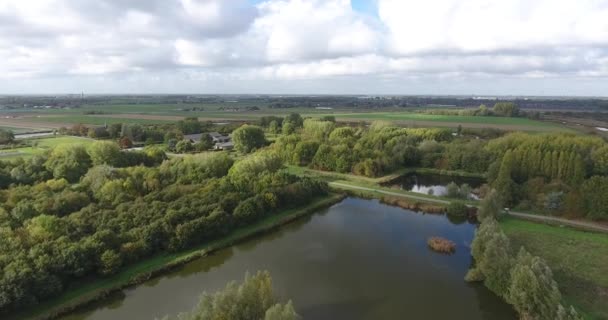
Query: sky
(440, 47)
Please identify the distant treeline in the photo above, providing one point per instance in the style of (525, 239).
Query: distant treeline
(355, 102)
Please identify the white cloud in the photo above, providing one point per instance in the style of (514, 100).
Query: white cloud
(302, 40)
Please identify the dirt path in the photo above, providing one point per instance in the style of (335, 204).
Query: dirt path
(572, 223)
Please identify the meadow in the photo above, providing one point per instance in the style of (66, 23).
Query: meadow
(38, 146)
(162, 113)
(578, 260)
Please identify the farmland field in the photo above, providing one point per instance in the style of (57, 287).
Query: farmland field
(165, 113)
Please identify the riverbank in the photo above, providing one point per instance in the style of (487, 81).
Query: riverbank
(160, 264)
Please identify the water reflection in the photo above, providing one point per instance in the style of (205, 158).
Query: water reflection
(433, 183)
(358, 260)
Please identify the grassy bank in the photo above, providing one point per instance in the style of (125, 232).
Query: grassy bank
(578, 259)
(334, 176)
(159, 264)
(350, 182)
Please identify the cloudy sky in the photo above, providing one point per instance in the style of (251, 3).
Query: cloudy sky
(540, 47)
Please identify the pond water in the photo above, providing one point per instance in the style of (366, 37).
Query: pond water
(424, 183)
(356, 260)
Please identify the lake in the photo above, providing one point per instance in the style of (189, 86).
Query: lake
(423, 183)
(359, 259)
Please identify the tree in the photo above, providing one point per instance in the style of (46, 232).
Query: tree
(253, 299)
(68, 161)
(504, 184)
(288, 128)
(125, 142)
(328, 118)
(532, 290)
(104, 152)
(600, 161)
(205, 143)
(304, 152)
(248, 138)
(281, 312)
(594, 192)
(109, 262)
(490, 206)
(295, 119)
(273, 127)
(184, 146)
(506, 109)
(189, 125)
(6, 136)
(491, 251)
(457, 208)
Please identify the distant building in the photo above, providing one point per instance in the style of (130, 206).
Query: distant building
(194, 138)
(224, 146)
(219, 138)
(220, 141)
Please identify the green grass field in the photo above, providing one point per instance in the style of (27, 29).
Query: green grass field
(96, 120)
(38, 146)
(159, 113)
(579, 261)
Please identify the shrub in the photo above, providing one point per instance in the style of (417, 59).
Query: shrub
(441, 245)
(457, 208)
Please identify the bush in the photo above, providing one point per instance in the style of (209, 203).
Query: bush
(457, 208)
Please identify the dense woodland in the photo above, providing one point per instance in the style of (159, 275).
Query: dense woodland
(554, 173)
(77, 213)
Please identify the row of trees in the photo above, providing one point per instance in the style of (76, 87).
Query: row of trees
(561, 174)
(501, 109)
(523, 280)
(77, 215)
(253, 299)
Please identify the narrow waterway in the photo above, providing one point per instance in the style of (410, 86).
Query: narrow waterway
(356, 260)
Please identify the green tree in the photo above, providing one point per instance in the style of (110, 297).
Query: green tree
(506, 109)
(281, 312)
(288, 128)
(253, 299)
(304, 152)
(248, 138)
(104, 152)
(6, 136)
(274, 127)
(184, 146)
(110, 262)
(490, 206)
(594, 192)
(68, 161)
(600, 161)
(205, 143)
(532, 290)
(504, 184)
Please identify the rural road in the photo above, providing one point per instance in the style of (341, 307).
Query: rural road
(573, 223)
